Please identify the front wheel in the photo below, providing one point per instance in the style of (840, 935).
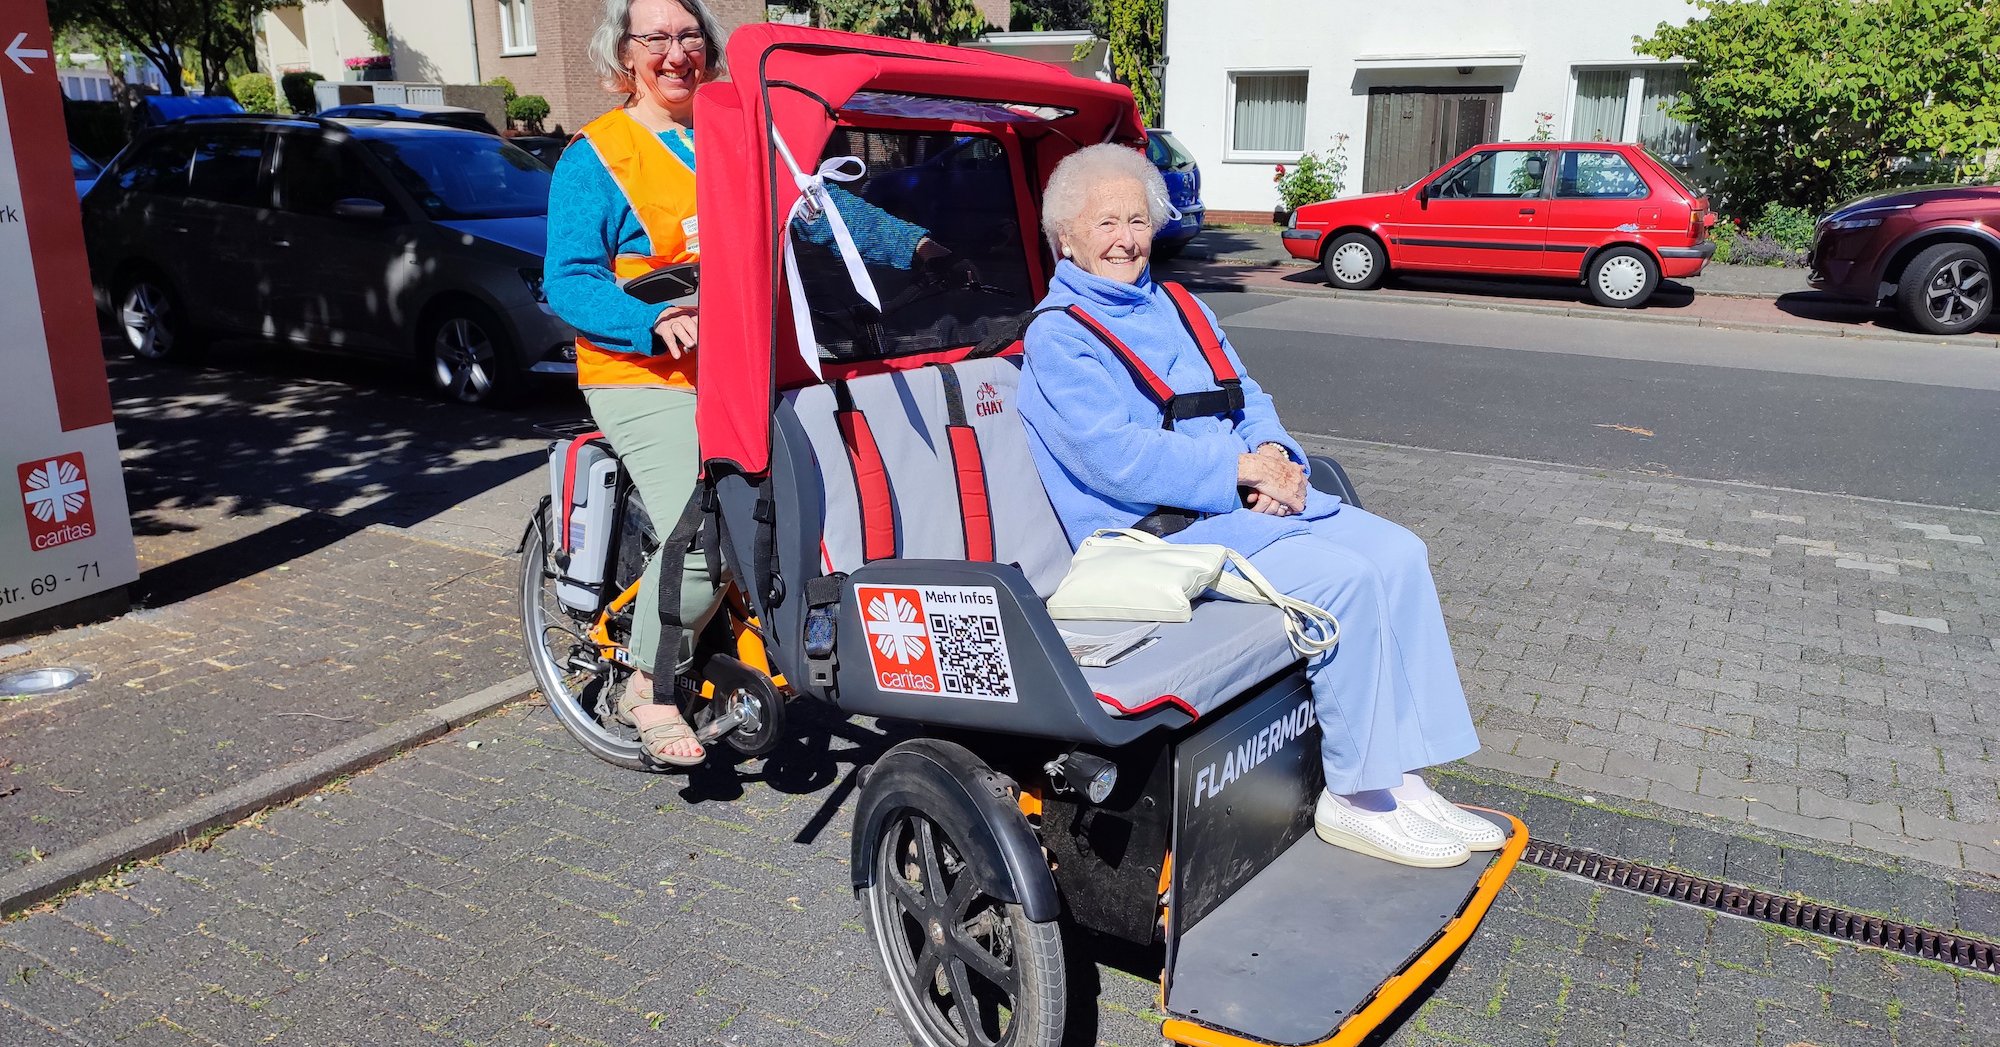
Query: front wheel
(963, 968)
(580, 687)
(152, 321)
(470, 356)
(1355, 262)
(1947, 289)
(1622, 277)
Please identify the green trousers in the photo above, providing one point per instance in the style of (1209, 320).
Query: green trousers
(652, 429)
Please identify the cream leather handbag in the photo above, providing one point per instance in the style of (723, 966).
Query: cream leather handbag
(1125, 575)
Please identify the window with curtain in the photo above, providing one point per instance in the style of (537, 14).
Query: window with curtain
(517, 26)
(1267, 113)
(1601, 96)
(1673, 140)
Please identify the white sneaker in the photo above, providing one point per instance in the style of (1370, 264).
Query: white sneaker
(1401, 836)
(1475, 832)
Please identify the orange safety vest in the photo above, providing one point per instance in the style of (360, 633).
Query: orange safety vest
(659, 188)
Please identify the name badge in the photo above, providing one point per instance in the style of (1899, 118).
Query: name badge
(691, 232)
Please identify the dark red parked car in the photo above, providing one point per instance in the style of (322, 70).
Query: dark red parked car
(1932, 251)
(1607, 213)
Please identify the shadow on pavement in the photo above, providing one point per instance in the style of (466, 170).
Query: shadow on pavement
(1671, 294)
(352, 442)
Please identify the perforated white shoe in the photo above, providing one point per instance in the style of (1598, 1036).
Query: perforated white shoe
(1475, 832)
(1401, 836)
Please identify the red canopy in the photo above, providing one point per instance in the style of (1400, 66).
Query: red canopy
(796, 81)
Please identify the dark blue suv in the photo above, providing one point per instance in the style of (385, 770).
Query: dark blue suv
(1183, 188)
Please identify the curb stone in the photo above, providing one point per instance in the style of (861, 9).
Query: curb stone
(1211, 283)
(164, 832)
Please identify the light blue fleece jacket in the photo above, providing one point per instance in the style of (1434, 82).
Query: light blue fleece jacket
(1096, 437)
(590, 224)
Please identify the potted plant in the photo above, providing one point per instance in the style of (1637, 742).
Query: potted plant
(368, 67)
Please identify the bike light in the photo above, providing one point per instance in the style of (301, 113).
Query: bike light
(1093, 776)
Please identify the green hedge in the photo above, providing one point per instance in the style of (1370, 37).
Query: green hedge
(255, 92)
(298, 88)
(529, 111)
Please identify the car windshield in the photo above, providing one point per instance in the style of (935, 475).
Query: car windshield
(1164, 151)
(465, 176)
(82, 166)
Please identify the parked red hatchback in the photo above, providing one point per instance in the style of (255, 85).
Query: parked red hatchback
(1607, 213)
(1932, 251)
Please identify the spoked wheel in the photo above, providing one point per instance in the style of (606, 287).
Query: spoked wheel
(1947, 289)
(964, 969)
(152, 322)
(471, 360)
(581, 689)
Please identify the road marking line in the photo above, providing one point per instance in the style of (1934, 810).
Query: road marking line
(1759, 514)
(1674, 536)
(1936, 625)
(1941, 533)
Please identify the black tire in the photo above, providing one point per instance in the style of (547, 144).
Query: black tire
(1354, 262)
(1622, 277)
(153, 321)
(1010, 968)
(468, 353)
(577, 690)
(1946, 289)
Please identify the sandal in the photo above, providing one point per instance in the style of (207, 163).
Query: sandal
(632, 697)
(654, 738)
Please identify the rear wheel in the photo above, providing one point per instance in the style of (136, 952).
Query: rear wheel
(1947, 289)
(470, 356)
(152, 322)
(1355, 262)
(580, 687)
(1622, 277)
(963, 968)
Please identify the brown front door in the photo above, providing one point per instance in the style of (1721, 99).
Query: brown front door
(1412, 130)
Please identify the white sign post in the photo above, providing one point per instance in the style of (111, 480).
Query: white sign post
(65, 531)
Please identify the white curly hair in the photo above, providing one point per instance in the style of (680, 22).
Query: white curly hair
(1070, 184)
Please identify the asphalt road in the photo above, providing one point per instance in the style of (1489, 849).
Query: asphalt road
(1894, 420)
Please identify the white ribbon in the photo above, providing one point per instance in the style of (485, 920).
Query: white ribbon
(814, 200)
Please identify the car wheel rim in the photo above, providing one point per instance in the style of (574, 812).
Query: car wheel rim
(1353, 262)
(947, 945)
(1621, 277)
(1958, 291)
(144, 316)
(462, 358)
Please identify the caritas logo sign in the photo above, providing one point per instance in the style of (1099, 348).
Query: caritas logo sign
(55, 495)
(899, 643)
(937, 640)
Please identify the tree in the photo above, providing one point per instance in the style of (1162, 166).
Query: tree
(168, 33)
(939, 21)
(1132, 31)
(1031, 16)
(1805, 102)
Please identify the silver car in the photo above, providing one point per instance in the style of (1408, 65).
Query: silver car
(396, 239)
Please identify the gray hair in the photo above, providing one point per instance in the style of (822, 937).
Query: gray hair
(614, 29)
(1070, 184)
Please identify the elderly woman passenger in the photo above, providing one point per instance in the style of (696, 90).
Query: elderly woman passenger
(1388, 697)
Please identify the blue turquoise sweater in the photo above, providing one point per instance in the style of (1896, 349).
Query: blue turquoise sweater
(1096, 438)
(590, 224)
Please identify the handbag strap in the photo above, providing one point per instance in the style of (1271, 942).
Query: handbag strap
(1311, 629)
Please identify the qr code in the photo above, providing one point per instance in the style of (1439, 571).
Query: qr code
(972, 656)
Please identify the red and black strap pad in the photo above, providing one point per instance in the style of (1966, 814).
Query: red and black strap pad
(969, 469)
(871, 478)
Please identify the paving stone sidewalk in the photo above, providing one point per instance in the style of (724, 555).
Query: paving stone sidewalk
(521, 892)
(292, 597)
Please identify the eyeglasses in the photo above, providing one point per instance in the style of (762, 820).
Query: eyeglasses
(691, 42)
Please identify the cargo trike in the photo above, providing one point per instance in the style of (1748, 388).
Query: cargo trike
(885, 545)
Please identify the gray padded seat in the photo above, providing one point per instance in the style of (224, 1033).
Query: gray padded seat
(1226, 649)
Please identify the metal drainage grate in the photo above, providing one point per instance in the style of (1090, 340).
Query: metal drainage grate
(1894, 935)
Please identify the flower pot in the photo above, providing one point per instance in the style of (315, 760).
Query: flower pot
(380, 72)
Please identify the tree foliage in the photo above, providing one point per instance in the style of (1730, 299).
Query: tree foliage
(1133, 30)
(174, 35)
(1805, 102)
(255, 92)
(939, 21)
(1035, 16)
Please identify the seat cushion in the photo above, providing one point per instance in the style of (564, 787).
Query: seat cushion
(1224, 650)
(907, 415)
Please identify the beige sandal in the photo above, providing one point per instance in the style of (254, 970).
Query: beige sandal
(666, 733)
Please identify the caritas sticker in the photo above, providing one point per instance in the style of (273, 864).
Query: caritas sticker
(55, 495)
(942, 640)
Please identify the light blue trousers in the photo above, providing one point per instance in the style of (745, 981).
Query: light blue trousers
(1388, 697)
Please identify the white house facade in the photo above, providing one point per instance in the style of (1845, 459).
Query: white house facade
(1254, 83)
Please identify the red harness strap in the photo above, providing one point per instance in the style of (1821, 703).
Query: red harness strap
(968, 468)
(569, 482)
(1199, 329)
(871, 478)
(1226, 398)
